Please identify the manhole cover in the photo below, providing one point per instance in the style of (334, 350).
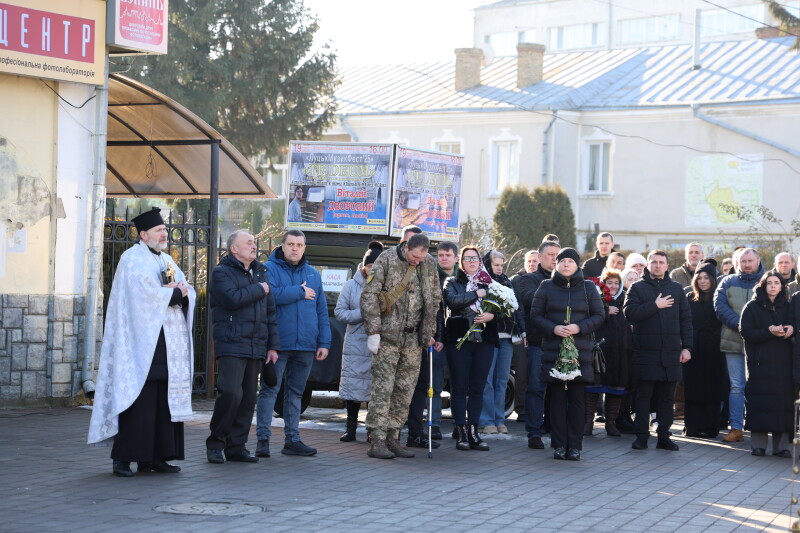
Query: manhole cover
(211, 508)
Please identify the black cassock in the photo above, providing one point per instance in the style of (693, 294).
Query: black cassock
(146, 431)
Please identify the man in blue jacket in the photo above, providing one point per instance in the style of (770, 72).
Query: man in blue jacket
(245, 333)
(732, 293)
(305, 334)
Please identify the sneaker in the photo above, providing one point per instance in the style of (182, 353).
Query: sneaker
(262, 449)
(489, 430)
(419, 442)
(298, 448)
(734, 435)
(503, 430)
(535, 443)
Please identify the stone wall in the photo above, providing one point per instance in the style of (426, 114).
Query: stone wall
(41, 347)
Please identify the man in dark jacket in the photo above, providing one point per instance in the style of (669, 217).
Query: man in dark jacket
(305, 335)
(658, 310)
(245, 333)
(594, 266)
(534, 386)
(684, 273)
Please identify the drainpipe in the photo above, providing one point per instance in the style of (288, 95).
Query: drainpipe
(95, 237)
(545, 149)
(696, 41)
(743, 132)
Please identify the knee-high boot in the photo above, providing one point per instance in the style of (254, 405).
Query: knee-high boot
(612, 411)
(349, 434)
(590, 400)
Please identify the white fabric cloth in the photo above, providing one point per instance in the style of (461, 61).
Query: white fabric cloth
(472, 285)
(137, 310)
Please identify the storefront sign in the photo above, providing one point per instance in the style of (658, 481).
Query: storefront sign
(138, 26)
(339, 187)
(60, 40)
(427, 193)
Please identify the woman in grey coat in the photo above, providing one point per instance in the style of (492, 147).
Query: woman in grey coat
(356, 379)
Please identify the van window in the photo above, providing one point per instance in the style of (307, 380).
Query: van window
(333, 279)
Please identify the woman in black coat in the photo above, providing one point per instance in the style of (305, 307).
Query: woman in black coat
(567, 290)
(614, 334)
(469, 365)
(704, 374)
(766, 327)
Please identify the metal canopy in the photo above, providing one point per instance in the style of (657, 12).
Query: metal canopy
(158, 148)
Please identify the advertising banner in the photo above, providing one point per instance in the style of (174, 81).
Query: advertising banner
(138, 26)
(339, 187)
(427, 193)
(54, 39)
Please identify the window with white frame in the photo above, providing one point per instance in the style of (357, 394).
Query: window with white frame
(737, 20)
(453, 147)
(277, 179)
(649, 29)
(505, 164)
(577, 36)
(597, 167)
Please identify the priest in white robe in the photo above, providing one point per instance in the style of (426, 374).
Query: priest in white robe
(144, 381)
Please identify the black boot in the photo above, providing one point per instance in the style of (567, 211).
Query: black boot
(590, 402)
(611, 412)
(122, 469)
(349, 434)
(463, 440)
(475, 442)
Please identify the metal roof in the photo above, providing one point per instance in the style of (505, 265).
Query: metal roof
(158, 148)
(751, 71)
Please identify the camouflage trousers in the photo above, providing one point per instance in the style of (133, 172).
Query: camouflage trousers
(394, 375)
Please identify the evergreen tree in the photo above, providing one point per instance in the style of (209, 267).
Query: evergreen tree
(553, 214)
(788, 22)
(514, 219)
(246, 67)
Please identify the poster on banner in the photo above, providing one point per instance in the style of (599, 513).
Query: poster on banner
(138, 26)
(339, 187)
(427, 193)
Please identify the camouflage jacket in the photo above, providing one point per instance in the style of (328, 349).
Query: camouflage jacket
(415, 309)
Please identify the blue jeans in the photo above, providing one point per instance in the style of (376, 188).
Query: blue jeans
(738, 376)
(439, 360)
(534, 394)
(494, 393)
(469, 367)
(296, 366)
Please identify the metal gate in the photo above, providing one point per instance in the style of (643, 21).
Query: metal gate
(189, 245)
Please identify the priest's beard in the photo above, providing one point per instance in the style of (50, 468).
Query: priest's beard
(155, 245)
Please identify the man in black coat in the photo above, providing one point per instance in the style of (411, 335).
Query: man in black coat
(593, 267)
(662, 339)
(525, 288)
(245, 334)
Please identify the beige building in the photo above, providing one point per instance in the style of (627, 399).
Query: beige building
(646, 146)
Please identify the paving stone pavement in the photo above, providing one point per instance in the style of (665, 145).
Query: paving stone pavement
(50, 481)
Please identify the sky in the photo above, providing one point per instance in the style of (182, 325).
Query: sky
(369, 32)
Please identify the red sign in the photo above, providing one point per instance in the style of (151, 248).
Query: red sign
(42, 33)
(142, 21)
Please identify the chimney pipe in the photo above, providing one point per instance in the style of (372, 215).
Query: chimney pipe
(530, 64)
(468, 67)
(696, 43)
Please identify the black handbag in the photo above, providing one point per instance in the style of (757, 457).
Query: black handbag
(598, 357)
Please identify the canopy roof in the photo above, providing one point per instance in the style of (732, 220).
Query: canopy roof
(158, 148)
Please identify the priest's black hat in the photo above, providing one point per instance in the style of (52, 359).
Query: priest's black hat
(148, 220)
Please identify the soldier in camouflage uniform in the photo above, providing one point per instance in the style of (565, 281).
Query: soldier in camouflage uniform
(398, 304)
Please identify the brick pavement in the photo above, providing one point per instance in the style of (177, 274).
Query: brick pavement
(50, 481)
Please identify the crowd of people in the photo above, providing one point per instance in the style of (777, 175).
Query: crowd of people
(616, 339)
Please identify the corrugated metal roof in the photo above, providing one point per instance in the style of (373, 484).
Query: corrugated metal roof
(761, 70)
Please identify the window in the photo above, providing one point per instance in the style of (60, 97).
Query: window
(503, 44)
(722, 22)
(505, 167)
(448, 147)
(650, 29)
(577, 36)
(597, 176)
(276, 179)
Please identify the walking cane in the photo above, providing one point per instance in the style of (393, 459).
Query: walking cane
(430, 401)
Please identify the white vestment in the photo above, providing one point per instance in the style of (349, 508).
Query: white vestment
(137, 310)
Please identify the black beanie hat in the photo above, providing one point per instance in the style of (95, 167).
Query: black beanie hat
(708, 267)
(148, 220)
(375, 249)
(570, 253)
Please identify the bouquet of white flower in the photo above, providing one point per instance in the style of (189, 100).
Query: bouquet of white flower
(567, 366)
(499, 299)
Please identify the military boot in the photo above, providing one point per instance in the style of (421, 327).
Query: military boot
(394, 446)
(378, 449)
(463, 440)
(474, 440)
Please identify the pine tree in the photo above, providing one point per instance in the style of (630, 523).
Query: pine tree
(788, 22)
(247, 68)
